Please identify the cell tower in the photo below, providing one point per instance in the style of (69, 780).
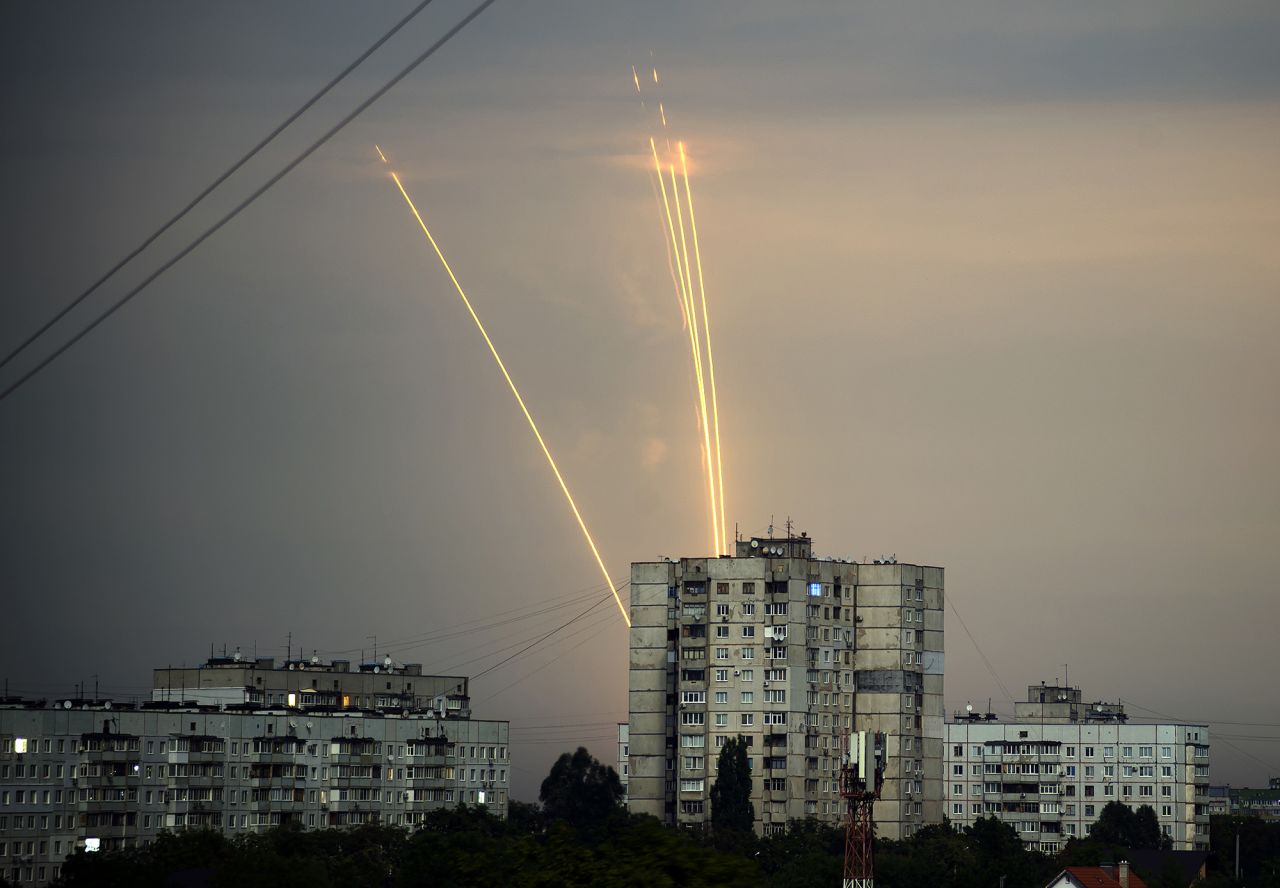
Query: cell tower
(861, 776)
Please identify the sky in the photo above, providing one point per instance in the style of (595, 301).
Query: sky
(993, 286)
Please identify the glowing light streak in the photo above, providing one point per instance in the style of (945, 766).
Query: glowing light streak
(663, 111)
(515, 391)
(697, 359)
(706, 329)
(636, 77)
(686, 307)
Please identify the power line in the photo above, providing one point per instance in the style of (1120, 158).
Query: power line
(533, 672)
(218, 181)
(289, 167)
(978, 648)
(595, 620)
(1244, 752)
(543, 638)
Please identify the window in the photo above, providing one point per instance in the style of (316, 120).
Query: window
(1166, 770)
(1071, 752)
(957, 770)
(722, 653)
(749, 609)
(1126, 751)
(748, 675)
(722, 696)
(722, 719)
(748, 697)
(1166, 810)
(693, 718)
(692, 785)
(1166, 792)
(722, 675)
(748, 719)
(775, 696)
(722, 632)
(693, 741)
(1088, 752)
(748, 588)
(1144, 751)
(1166, 752)
(748, 631)
(692, 697)
(1108, 752)
(1089, 771)
(722, 588)
(748, 653)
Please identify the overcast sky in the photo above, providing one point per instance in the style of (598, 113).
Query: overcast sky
(993, 286)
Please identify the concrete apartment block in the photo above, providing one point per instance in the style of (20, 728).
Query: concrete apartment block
(791, 651)
(1051, 771)
(259, 752)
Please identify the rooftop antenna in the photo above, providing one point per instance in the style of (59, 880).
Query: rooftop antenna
(288, 648)
(375, 645)
(788, 527)
(770, 527)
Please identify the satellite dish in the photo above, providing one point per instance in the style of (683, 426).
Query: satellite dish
(968, 707)
(106, 705)
(755, 544)
(66, 704)
(377, 669)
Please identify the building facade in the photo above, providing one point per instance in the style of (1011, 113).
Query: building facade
(93, 774)
(792, 652)
(1052, 770)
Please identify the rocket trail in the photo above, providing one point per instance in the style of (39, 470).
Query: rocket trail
(697, 358)
(687, 305)
(515, 391)
(693, 301)
(706, 329)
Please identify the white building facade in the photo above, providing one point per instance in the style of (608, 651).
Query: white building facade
(1051, 776)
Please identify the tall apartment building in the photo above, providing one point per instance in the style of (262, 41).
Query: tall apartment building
(793, 652)
(98, 774)
(1051, 771)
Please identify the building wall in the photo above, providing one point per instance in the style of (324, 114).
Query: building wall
(1052, 780)
(792, 652)
(119, 776)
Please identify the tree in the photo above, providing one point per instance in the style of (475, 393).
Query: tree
(731, 808)
(1120, 825)
(580, 790)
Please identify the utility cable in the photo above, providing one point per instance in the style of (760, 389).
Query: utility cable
(289, 167)
(542, 639)
(978, 648)
(218, 181)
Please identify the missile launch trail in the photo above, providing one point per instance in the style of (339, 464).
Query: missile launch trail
(711, 365)
(515, 391)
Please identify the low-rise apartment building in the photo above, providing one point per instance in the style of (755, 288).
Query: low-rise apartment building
(99, 774)
(1051, 771)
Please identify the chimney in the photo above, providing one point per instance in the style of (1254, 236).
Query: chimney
(1122, 874)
